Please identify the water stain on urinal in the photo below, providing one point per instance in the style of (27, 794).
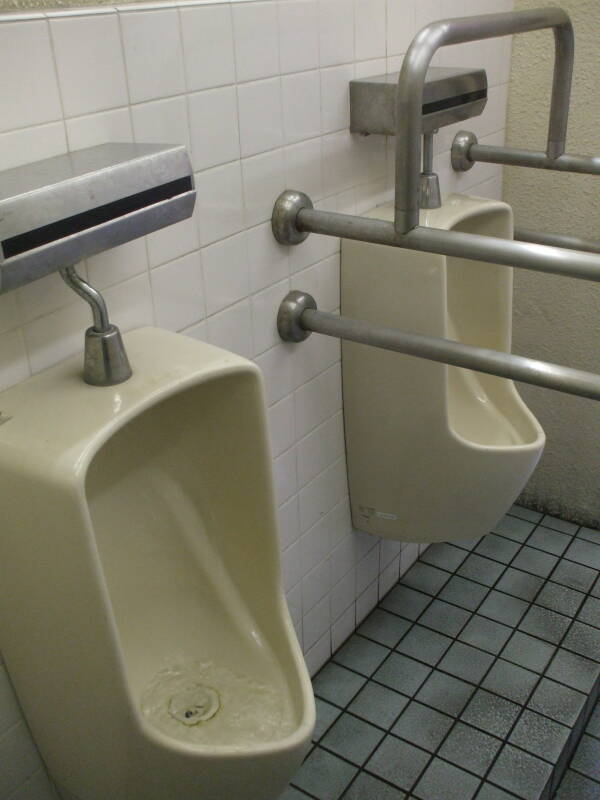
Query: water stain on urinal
(205, 703)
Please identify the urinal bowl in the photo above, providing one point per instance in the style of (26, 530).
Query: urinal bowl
(140, 585)
(435, 453)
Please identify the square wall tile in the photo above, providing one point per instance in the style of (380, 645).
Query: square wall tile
(155, 32)
(220, 202)
(29, 82)
(260, 112)
(301, 97)
(207, 33)
(89, 59)
(256, 42)
(336, 32)
(232, 330)
(370, 29)
(226, 274)
(214, 127)
(298, 35)
(178, 292)
(93, 129)
(263, 179)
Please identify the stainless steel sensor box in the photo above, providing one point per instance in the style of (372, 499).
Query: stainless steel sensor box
(450, 95)
(55, 212)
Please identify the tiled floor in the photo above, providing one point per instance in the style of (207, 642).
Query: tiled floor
(473, 678)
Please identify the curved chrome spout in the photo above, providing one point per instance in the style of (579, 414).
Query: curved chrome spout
(105, 360)
(412, 80)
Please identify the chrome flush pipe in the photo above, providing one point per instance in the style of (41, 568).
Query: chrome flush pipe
(105, 361)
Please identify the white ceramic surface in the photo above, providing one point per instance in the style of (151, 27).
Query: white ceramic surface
(435, 453)
(140, 542)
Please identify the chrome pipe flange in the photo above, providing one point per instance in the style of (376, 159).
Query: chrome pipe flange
(459, 154)
(285, 212)
(289, 316)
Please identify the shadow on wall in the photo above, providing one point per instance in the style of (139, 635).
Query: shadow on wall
(556, 319)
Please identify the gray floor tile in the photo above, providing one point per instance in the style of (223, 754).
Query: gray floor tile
(337, 684)
(464, 661)
(503, 607)
(557, 702)
(590, 534)
(583, 552)
(402, 674)
(545, 624)
(424, 644)
(576, 576)
(324, 775)
(574, 670)
(445, 693)
(535, 561)
(521, 773)
(577, 787)
(481, 570)
(442, 781)
(583, 639)
(422, 726)
(587, 757)
(489, 792)
(444, 618)
(445, 556)
(398, 762)
(595, 590)
(525, 513)
(384, 628)
(366, 787)
(590, 613)
(352, 738)
(514, 528)
(360, 654)
(486, 634)
(593, 725)
(406, 602)
(498, 548)
(511, 681)
(519, 584)
(528, 652)
(463, 592)
(470, 748)
(425, 578)
(559, 524)
(326, 716)
(539, 735)
(548, 540)
(467, 544)
(293, 794)
(492, 714)
(560, 598)
(378, 704)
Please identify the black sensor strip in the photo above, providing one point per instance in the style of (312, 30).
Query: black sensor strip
(452, 102)
(23, 242)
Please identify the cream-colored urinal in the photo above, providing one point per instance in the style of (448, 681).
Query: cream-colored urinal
(435, 453)
(141, 613)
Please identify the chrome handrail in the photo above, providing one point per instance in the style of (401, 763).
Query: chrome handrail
(412, 80)
(299, 316)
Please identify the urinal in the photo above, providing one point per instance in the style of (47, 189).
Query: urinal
(435, 453)
(142, 618)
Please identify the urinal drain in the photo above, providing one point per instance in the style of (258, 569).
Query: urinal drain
(194, 705)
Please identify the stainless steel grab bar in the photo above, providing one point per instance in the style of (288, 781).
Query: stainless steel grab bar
(466, 151)
(294, 218)
(557, 240)
(298, 316)
(412, 80)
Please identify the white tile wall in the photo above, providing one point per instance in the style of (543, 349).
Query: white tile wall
(259, 92)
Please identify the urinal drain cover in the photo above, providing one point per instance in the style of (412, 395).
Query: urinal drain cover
(195, 704)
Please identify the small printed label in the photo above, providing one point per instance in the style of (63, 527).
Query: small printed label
(369, 512)
(384, 515)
